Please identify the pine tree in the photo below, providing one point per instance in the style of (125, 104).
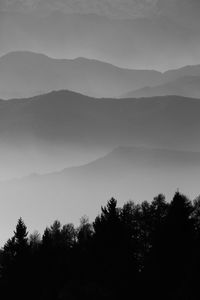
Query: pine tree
(20, 237)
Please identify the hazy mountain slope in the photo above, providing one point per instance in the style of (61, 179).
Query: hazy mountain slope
(70, 117)
(187, 71)
(64, 128)
(183, 82)
(25, 74)
(183, 86)
(153, 43)
(125, 173)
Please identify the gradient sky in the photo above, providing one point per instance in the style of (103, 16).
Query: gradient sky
(186, 11)
(152, 34)
(111, 8)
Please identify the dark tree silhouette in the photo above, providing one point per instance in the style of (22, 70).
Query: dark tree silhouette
(16, 263)
(151, 249)
(20, 237)
(173, 246)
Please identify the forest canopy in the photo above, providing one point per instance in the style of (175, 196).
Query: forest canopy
(145, 250)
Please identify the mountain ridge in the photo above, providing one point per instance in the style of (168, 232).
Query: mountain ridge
(26, 73)
(33, 137)
(115, 175)
(186, 86)
(123, 150)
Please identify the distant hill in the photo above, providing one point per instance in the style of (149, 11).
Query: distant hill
(159, 43)
(63, 128)
(125, 173)
(26, 74)
(184, 86)
(187, 71)
(65, 116)
(183, 82)
(50, 132)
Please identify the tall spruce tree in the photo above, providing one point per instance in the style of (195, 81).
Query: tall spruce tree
(20, 236)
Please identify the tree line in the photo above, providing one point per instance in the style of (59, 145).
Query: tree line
(151, 249)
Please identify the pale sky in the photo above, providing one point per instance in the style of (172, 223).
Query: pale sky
(110, 8)
(182, 10)
(144, 34)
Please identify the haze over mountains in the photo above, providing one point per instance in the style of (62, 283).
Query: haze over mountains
(183, 86)
(34, 139)
(79, 79)
(60, 129)
(26, 74)
(123, 173)
(152, 42)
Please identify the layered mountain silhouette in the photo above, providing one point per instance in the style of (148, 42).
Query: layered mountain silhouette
(34, 138)
(89, 110)
(126, 173)
(25, 74)
(158, 121)
(183, 86)
(183, 82)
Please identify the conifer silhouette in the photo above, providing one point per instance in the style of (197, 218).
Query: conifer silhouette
(147, 248)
